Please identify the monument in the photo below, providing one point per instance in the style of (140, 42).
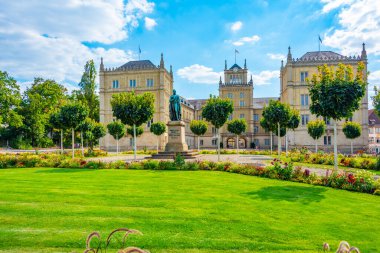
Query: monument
(176, 132)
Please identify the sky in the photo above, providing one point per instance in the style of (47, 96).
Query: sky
(54, 39)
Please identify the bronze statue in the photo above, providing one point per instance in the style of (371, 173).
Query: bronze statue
(175, 107)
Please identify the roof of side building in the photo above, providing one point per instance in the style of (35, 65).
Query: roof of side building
(143, 64)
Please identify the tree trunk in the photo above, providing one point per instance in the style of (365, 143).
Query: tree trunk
(218, 142)
(286, 144)
(237, 144)
(271, 142)
(335, 148)
(352, 149)
(134, 141)
(117, 145)
(61, 141)
(198, 143)
(81, 142)
(158, 140)
(316, 145)
(279, 141)
(72, 141)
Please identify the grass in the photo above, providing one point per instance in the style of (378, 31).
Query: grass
(53, 210)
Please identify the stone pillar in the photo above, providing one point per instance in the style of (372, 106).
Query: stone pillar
(176, 137)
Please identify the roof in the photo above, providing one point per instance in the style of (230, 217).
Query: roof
(235, 66)
(320, 54)
(373, 119)
(143, 64)
(259, 103)
(197, 103)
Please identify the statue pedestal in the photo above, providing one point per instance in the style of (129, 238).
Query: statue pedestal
(176, 137)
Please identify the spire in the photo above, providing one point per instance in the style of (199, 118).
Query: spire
(220, 80)
(251, 81)
(225, 64)
(364, 53)
(171, 70)
(101, 64)
(245, 63)
(162, 65)
(282, 64)
(289, 55)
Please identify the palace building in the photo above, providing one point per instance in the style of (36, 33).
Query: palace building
(144, 76)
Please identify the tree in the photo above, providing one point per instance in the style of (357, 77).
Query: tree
(133, 110)
(135, 132)
(73, 115)
(198, 127)
(277, 115)
(217, 111)
(56, 122)
(237, 127)
(10, 98)
(117, 130)
(352, 130)
(293, 123)
(268, 127)
(87, 92)
(92, 132)
(158, 128)
(337, 94)
(316, 129)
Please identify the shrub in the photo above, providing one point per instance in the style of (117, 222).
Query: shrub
(166, 165)
(150, 165)
(117, 165)
(135, 166)
(191, 166)
(179, 161)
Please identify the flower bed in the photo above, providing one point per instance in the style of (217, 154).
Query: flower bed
(360, 181)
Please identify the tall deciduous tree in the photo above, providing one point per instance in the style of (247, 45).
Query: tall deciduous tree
(293, 123)
(87, 92)
(198, 127)
(217, 111)
(57, 122)
(117, 130)
(10, 98)
(337, 94)
(277, 115)
(316, 129)
(133, 110)
(73, 115)
(158, 128)
(352, 130)
(92, 132)
(237, 127)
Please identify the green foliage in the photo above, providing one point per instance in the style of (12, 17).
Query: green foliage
(337, 94)
(237, 126)
(179, 161)
(352, 130)
(92, 131)
(133, 109)
(198, 127)
(10, 98)
(282, 131)
(316, 128)
(217, 111)
(294, 120)
(158, 128)
(276, 113)
(73, 114)
(87, 94)
(55, 120)
(116, 129)
(264, 124)
(139, 131)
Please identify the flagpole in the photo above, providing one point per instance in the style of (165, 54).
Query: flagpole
(235, 56)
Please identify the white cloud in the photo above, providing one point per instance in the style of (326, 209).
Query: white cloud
(276, 56)
(236, 26)
(265, 77)
(333, 4)
(245, 40)
(374, 76)
(46, 38)
(359, 22)
(199, 74)
(150, 23)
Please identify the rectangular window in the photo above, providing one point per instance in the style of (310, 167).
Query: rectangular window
(327, 140)
(241, 94)
(242, 103)
(229, 95)
(303, 76)
(257, 142)
(255, 117)
(199, 117)
(201, 142)
(214, 142)
(132, 83)
(304, 100)
(149, 82)
(304, 119)
(327, 121)
(255, 129)
(115, 84)
(149, 123)
(377, 130)
(213, 131)
(242, 116)
(267, 142)
(131, 142)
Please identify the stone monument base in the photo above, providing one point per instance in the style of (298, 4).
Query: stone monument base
(176, 143)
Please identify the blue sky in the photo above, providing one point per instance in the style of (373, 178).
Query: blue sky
(54, 39)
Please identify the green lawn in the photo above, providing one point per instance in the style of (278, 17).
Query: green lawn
(53, 210)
